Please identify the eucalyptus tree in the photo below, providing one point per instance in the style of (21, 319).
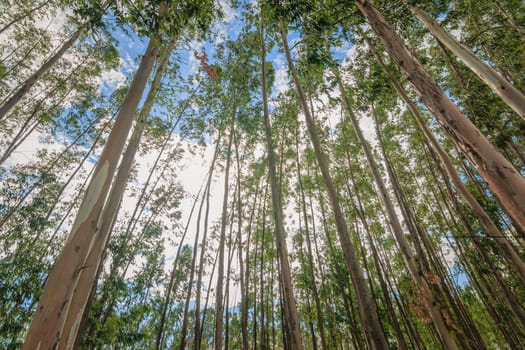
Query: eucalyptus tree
(111, 208)
(511, 95)
(499, 174)
(374, 333)
(91, 16)
(61, 283)
(290, 307)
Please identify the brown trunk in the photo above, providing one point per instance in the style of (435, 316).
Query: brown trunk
(502, 178)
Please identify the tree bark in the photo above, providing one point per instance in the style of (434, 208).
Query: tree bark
(33, 79)
(373, 330)
(500, 175)
(292, 317)
(87, 279)
(45, 331)
(508, 93)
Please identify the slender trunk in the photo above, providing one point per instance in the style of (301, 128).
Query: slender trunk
(198, 325)
(512, 96)
(222, 241)
(409, 257)
(292, 317)
(167, 300)
(502, 178)
(208, 292)
(205, 199)
(319, 314)
(491, 229)
(23, 15)
(242, 278)
(46, 329)
(377, 262)
(231, 252)
(375, 336)
(33, 79)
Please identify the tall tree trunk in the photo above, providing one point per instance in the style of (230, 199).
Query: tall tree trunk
(512, 96)
(501, 176)
(167, 299)
(33, 79)
(205, 199)
(45, 331)
(377, 262)
(375, 336)
(222, 240)
(87, 279)
(242, 277)
(319, 314)
(198, 286)
(409, 257)
(492, 230)
(292, 317)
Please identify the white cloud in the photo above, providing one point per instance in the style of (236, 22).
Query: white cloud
(111, 79)
(282, 80)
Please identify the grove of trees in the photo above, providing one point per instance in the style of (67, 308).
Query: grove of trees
(265, 174)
